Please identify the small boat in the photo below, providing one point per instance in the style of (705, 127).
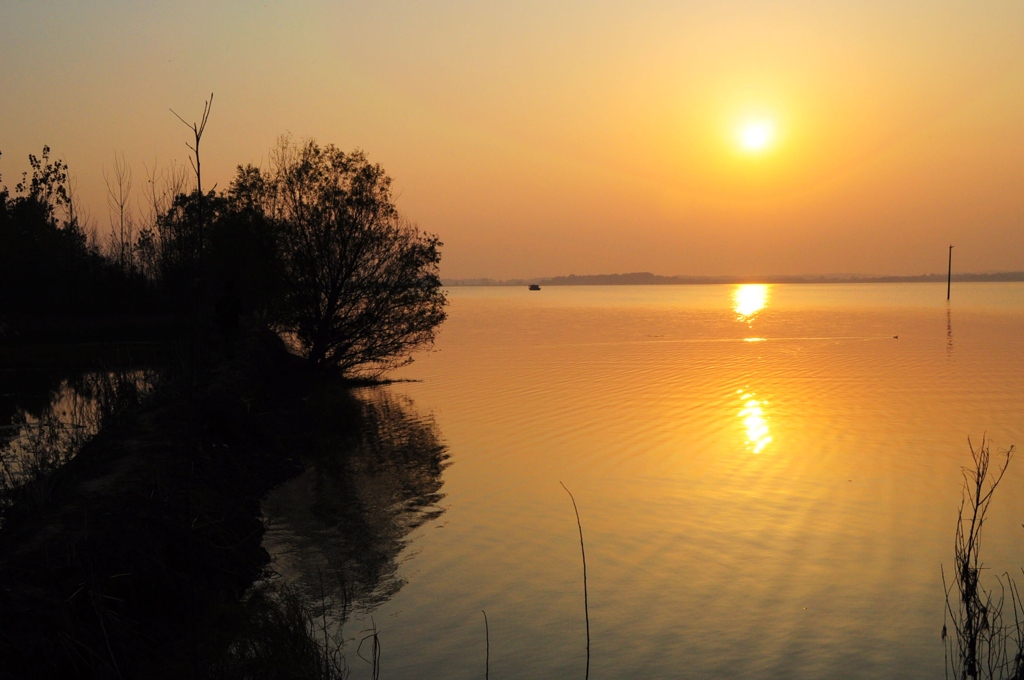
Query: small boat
(534, 286)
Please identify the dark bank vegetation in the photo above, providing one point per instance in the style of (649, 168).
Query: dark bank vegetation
(312, 247)
(983, 632)
(137, 556)
(50, 270)
(123, 561)
(130, 490)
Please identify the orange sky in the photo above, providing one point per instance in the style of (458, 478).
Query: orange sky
(543, 138)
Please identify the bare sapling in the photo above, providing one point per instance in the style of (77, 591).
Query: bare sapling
(982, 643)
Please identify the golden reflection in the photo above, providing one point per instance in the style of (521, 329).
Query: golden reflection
(755, 421)
(748, 299)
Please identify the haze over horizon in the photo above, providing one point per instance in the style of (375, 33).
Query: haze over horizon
(750, 278)
(536, 139)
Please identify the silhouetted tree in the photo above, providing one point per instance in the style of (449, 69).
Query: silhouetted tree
(48, 184)
(47, 268)
(244, 248)
(312, 247)
(40, 254)
(197, 131)
(179, 241)
(360, 285)
(163, 184)
(121, 245)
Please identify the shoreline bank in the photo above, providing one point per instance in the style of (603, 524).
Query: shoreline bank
(131, 560)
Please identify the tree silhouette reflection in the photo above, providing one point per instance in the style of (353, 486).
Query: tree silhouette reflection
(343, 524)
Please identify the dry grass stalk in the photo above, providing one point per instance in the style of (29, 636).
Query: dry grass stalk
(982, 643)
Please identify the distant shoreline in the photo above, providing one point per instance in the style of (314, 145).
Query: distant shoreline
(648, 279)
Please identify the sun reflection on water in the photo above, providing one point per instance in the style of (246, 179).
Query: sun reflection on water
(748, 299)
(755, 421)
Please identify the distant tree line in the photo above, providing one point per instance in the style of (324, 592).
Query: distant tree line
(312, 247)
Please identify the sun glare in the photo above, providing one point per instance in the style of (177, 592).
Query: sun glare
(748, 299)
(756, 136)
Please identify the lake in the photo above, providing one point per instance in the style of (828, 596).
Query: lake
(767, 479)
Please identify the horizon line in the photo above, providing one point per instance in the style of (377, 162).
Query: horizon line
(648, 278)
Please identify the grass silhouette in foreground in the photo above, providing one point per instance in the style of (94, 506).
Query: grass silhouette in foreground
(982, 644)
(583, 551)
(487, 642)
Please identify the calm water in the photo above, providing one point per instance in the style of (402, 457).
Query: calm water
(48, 415)
(767, 479)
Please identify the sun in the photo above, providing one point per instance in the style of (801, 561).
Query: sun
(756, 136)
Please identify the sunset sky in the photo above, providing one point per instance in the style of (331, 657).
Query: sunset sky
(540, 138)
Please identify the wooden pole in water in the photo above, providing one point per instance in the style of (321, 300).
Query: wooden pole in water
(949, 273)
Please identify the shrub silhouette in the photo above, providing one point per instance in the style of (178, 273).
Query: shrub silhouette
(360, 285)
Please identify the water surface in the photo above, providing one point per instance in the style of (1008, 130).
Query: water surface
(767, 477)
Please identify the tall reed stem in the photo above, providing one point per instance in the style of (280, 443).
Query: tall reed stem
(487, 638)
(583, 551)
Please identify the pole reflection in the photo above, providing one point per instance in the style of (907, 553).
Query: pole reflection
(949, 332)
